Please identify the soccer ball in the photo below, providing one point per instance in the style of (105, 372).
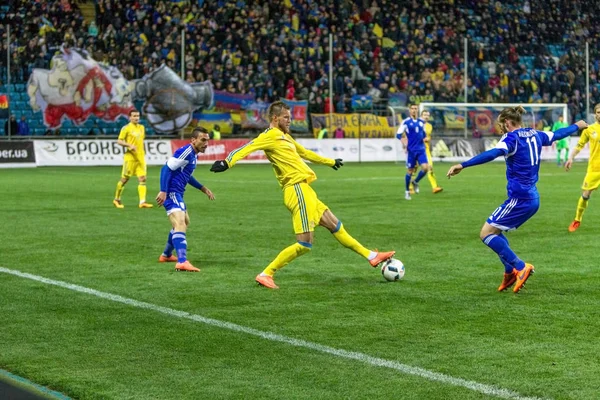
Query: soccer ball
(392, 270)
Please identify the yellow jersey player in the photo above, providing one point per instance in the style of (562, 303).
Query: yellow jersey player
(134, 161)
(592, 177)
(428, 130)
(295, 176)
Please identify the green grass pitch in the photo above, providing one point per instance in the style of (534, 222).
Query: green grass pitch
(445, 316)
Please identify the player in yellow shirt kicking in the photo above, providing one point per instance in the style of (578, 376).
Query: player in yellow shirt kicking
(295, 176)
(592, 178)
(134, 161)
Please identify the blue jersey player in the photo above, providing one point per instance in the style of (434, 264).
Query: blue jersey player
(412, 134)
(175, 175)
(521, 148)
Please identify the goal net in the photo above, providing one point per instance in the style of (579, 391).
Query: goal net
(463, 130)
(479, 119)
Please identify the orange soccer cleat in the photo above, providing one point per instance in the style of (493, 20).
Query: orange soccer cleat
(437, 190)
(381, 257)
(574, 226)
(266, 281)
(163, 258)
(508, 281)
(145, 205)
(522, 277)
(186, 266)
(118, 204)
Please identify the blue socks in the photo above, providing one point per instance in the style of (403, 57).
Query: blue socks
(180, 245)
(407, 181)
(169, 247)
(499, 244)
(420, 175)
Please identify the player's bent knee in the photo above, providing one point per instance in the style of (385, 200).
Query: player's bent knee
(303, 248)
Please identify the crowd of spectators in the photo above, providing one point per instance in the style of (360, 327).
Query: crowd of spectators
(519, 51)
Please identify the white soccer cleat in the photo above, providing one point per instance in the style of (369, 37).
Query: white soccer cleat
(407, 196)
(415, 186)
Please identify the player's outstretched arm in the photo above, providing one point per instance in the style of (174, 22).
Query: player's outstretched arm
(338, 164)
(569, 130)
(482, 158)
(454, 170)
(219, 166)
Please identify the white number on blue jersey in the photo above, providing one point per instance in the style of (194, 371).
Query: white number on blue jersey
(534, 156)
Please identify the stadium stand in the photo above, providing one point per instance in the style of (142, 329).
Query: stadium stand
(519, 51)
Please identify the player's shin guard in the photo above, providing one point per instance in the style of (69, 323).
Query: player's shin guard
(420, 176)
(407, 179)
(581, 206)
(348, 241)
(508, 268)
(169, 247)
(501, 247)
(180, 244)
(432, 180)
(286, 256)
(142, 192)
(120, 187)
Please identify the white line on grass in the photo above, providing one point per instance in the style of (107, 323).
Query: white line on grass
(365, 358)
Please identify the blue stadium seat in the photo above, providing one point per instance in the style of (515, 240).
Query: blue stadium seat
(20, 87)
(38, 131)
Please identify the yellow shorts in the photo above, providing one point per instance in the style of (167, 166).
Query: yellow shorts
(133, 168)
(305, 207)
(591, 181)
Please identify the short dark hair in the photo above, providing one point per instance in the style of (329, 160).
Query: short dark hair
(275, 109)
(133, 111)
(198, 131)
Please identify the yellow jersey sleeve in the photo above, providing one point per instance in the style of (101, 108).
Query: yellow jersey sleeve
(312, 156)
(585, 137)
(264, 141)
(428, 131)
(123, 133)
(591, 135)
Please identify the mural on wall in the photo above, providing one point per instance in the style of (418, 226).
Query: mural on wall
(77, 87)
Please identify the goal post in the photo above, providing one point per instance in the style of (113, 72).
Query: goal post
(479, 119)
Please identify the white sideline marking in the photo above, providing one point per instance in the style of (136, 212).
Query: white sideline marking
(365, 358)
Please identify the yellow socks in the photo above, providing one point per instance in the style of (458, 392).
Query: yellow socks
(286, 256)
(120, 187)
(581, 206)
(348, 241)
(432, 180)
(142, 192)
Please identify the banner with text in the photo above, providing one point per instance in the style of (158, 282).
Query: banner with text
(354, 125)
(16, 154)
(95, 152)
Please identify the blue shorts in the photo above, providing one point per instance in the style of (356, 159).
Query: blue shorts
(513, 213)
(174, 202)
(414, 156)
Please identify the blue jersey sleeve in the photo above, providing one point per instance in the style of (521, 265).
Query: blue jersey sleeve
(508, 144)
(181, 158)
